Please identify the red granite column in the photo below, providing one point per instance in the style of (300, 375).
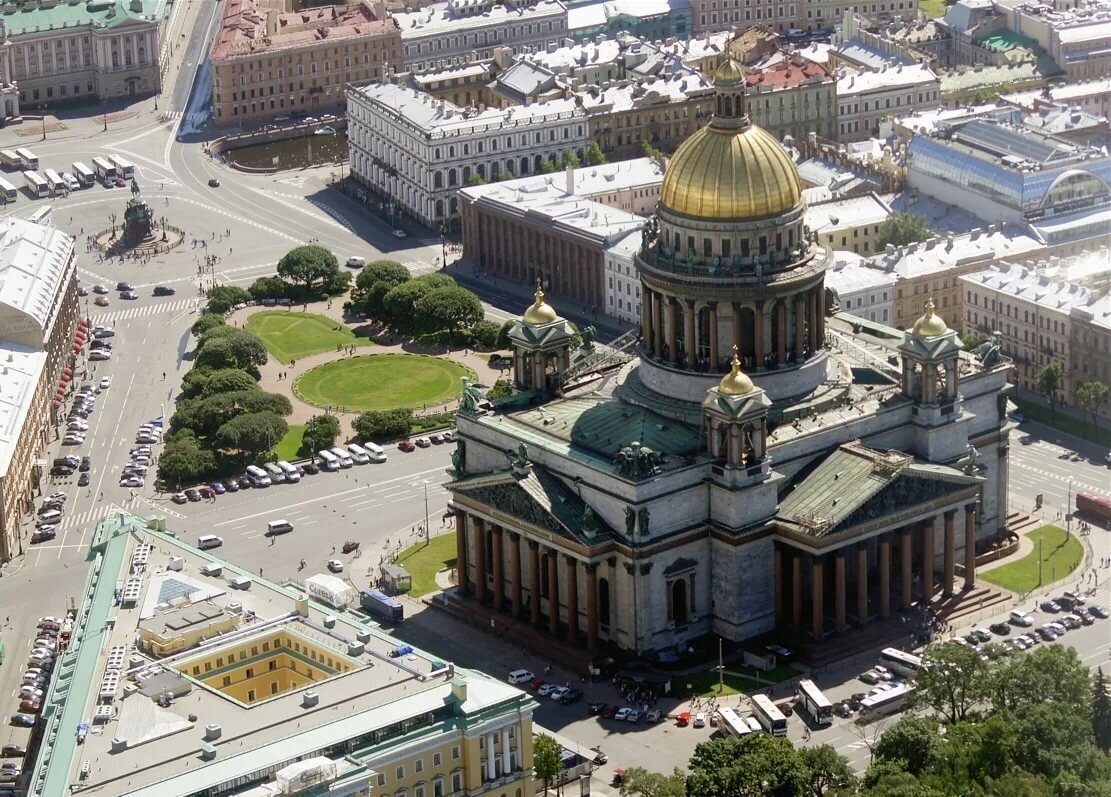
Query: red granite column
(534, 585)
(480, 558)
(572, 600)
(969, 546)
(515, 569)
(950, 553)
(592, 605)
(778, 585)
(906, 571)
(499, 567)
(928, 528)
(862, 584)
(796, 590)
(462, 577)
(817, 597)
(885, 576)
(839, 590)
(553, 591)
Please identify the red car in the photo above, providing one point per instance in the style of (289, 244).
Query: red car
(30, 706)
(536, 683)
(406, 446)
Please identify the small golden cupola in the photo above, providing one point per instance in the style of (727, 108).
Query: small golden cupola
(930, 325)
(539, 312)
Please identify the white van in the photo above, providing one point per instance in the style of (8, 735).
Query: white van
(344, 458)
(274, 471)
(521, 677)
(209, 541)
(257, 476)
(291, 473)
(278, 527)
(356, 262)
(50, 517)
(358, 454)
(328, 460)
(1021, 618)
(375, 452)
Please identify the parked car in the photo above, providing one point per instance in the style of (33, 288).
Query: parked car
(99, 289)
(193, 494)
(124, 286)
(406, 446)
(335, 565)
(218, 488)
(23, 720)
(1098, 611)
(700, 720)
(164, 290)
(83, 480)
(101, 301)
(231, 486)
(1050, 606)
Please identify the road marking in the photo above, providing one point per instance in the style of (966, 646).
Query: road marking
(285, 509)
(142, 311)
(371, 502)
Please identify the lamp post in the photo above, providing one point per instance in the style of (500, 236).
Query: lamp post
(427, 533)
(443, 244)
(42, 108)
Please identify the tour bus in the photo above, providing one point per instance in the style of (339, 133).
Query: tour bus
(7, 191)
(35, 185)
(768, 715)
(276, 474)
(44, 215)
(358, 454)
(817, 705)
(10, 160)
(1093, 506)
(257, 476)
(55, 181)
(104, 170)
(27, 159)
(886, 702)
(291, 473)
(123, 168)
(733, 723)
(83, 174)
(900, 663)
(328, 460)
(345, 460)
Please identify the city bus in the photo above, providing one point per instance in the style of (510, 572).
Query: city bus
(733, 723)
(1093, 506)
(123, 168)
(55, 181)
(7, 191)
(886, 702)
(10, 160)
(817, 705)
(27, 159)
(35, 185)
(768, 715)
(83, 174)
(104, 170)
(900, 663)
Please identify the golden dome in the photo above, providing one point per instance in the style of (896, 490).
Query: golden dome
(930, 325)
(539, 312)
(731, 173)
(729, 72)
(736, 382)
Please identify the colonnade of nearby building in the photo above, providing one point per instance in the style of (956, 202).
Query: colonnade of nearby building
(795, 568)
(765, 332)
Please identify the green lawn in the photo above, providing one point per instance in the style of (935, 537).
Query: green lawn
(933, 8)
(425, 560)
(382, 382)
(289, 445)
(289, 335)
(1066, 423)
(737, 680)
(1060, 556)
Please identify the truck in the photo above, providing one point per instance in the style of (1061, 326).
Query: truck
(381, 606)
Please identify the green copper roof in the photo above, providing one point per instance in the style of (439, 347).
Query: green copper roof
(40, 17)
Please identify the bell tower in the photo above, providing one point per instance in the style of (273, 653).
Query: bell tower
(541, 346)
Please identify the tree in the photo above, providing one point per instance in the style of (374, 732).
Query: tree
(308, 265)
(228, 380)
(215, 355)
(954, 681)
(649, 151)
(184, 461)
(390, 272)
(972, 340)
(546, 760)
(222, 298)
(336, 283)
(475, 179)
(399, 305)
(593, 155)
(547, 166)
(268, 288)
(321, 432)
(206, 322)
(382, 425)
(252, 433)
(826, 770)
(570, 159)
(503, 335)
(1089, 397)
(913, 743)
(902, 228)
(757, 764)
(1101, 712)
(639, 782)
(503, 388)
(260, 401)
(1049, 382)
(1047, 673)
(450, 307)
(194, 381)
(246, 349)
(484, 334)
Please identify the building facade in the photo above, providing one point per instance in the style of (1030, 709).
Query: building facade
(865, 99)
(712, 15)
(415, 152)
(59, 52)
(708, 489)
(794, 97)
(40, 334)
(268, 60)
(849, 225)
(651, 19)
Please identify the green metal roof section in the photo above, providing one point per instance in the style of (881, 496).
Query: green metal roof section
(30, 17)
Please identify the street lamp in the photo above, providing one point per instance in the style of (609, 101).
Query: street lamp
(42, 108)
(443, 244)
(427, 533)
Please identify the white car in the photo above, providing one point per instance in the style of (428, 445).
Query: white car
(73, 439)
(399, 234)
(700, 720)
(335, 565)
(104, 332)
(105, 382)
(132, 481)
(622, 714)
(100, 354)
(558, 692)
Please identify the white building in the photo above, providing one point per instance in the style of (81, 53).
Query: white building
(416, 152)
(623, 279)
(459, 31)
(865, 99)
(861, 289)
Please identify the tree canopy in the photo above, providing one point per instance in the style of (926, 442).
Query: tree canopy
(252, 433)
(546, 760)
(222, 298)
(1049, 382)
(308, 265)
(450, 308)
(184, 461)
(383, 424)
(321, 431)
(390, 272)
(902, 228)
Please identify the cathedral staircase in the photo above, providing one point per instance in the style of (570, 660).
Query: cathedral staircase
(617, 353)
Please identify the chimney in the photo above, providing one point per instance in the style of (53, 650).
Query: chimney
(570, 185)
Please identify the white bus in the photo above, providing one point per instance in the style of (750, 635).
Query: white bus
(733, 723)
(123, 168)
(276, 474)
(291, 473)
(817, 705)
(328, 460)
(358, 454)
(104, 170)
(83, 174)
(35, 185)
(7, 191)
(55, 181)
(27, 159)
(10, 160)
(257, 476)
(886, 702)
(44, 215)
(900, 663)
(343, 456)
(768, 715)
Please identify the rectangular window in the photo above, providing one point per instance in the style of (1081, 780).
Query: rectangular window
(399, 773)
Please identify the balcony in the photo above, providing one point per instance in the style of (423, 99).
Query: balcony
(739, 272)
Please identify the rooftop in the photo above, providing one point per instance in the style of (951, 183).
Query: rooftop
(459, 15)
(849, 275)
(888, 79)
(40, 17)
(166, 748)
(20, 369)
(787, 74)
(840, 214)
(956, 251)
(1048, 288)
(600, 12)
(1061, 92)
(681, 85)
(34, 262)
(248, 28)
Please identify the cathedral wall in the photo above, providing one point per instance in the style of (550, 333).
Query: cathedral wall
(743, 588)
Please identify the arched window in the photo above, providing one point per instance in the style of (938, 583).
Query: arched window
(452, 177)
(524, 165)
(438, 180)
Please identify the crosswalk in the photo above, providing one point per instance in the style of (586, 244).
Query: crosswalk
(137, 506)
(419, 267)
(143, 310)
(196, 117)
